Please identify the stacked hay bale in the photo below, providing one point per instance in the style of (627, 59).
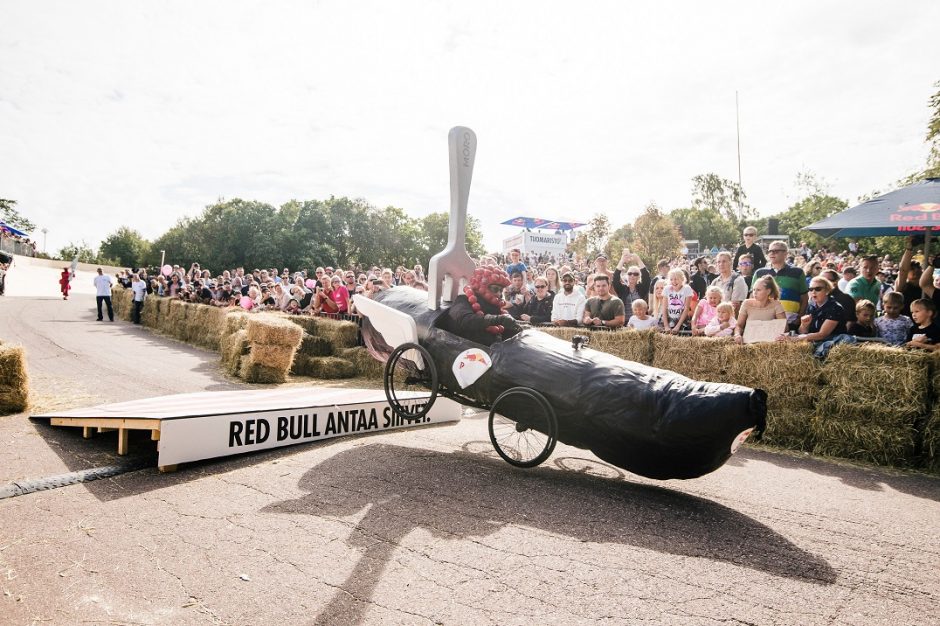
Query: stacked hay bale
(14, 381)
(153, 311)
(121, 300)
(363, 362)
(234, 344)
(874, 404)
(626, 344)
(274, 341)
(698, 358)
(629, 345)
(931, 447)
(790, 376)
(205, 326)
(323, 346)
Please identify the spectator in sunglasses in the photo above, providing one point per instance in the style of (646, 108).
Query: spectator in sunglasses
(538, 310)
(825, 317)
(750, 246)
(637, 284)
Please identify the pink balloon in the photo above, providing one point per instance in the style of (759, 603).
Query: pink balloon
(310, 283)
(246, 302)
(166, 270)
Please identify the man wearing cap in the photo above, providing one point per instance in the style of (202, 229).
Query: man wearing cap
(568, 305)
(750, 246)
(790, 280)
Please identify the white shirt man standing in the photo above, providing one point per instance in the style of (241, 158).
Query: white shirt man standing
(103, 285)
(568, 305)
(139, 288)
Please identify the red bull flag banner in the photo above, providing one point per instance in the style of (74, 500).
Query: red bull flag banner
(910, 210)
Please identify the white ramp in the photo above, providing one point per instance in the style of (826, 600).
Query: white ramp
(209, 424)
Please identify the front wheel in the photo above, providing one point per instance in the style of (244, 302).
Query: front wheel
(529, 438)
(410, 368)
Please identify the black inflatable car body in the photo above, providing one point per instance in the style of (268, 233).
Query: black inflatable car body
(648, 421)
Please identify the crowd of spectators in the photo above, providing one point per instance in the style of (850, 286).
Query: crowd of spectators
(824, 296)
(16, 244)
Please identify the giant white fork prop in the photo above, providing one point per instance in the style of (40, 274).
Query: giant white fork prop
(448, 267)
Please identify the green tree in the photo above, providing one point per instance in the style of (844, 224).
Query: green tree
(807, 211)
(597, 234)
(126, 246)
(655, 236)
(12, 217)
(618, 240)
(710, 191)
(85, 253)
(707, 225)
(933, 136)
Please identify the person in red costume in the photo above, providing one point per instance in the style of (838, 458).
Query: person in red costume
(65, 283)
(479, 313)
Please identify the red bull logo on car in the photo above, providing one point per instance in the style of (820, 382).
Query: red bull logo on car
(911, 217)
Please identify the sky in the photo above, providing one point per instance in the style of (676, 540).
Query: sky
(126, 113)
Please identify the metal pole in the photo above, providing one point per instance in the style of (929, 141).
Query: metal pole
(737, 122)
(162, 257)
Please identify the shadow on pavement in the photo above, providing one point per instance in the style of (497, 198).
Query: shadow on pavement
(860, 476)
(458, 495)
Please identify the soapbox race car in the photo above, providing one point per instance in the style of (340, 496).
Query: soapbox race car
(540, 389)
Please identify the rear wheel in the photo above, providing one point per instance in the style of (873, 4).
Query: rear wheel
(529, 438)
(410, 369)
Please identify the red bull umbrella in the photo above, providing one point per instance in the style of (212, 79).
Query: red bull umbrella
(910, 210)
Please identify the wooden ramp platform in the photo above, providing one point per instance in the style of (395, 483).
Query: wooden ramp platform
(195, 426)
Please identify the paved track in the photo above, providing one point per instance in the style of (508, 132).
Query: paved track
(426, 526)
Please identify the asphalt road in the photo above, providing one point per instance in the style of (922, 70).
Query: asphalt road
(425, 526)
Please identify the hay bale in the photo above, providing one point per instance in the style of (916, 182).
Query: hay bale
(233, 348)
(209, 320)
(269, 329)
(365, 364)
(931, 444)
(122, 301)
(698, 358)
(874, 383)
(152, 313)
(173, 316)
(787, 371)
(629, 345)
(340, 333)
(272, 356)
(326, 367)
(315, 346)
(257, 373)
(14, 380)
(235, 321)
(875, 442)
(793, 430)
(309, 323)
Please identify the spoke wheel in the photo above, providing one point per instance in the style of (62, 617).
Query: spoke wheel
(529, 439)
(403, 374)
